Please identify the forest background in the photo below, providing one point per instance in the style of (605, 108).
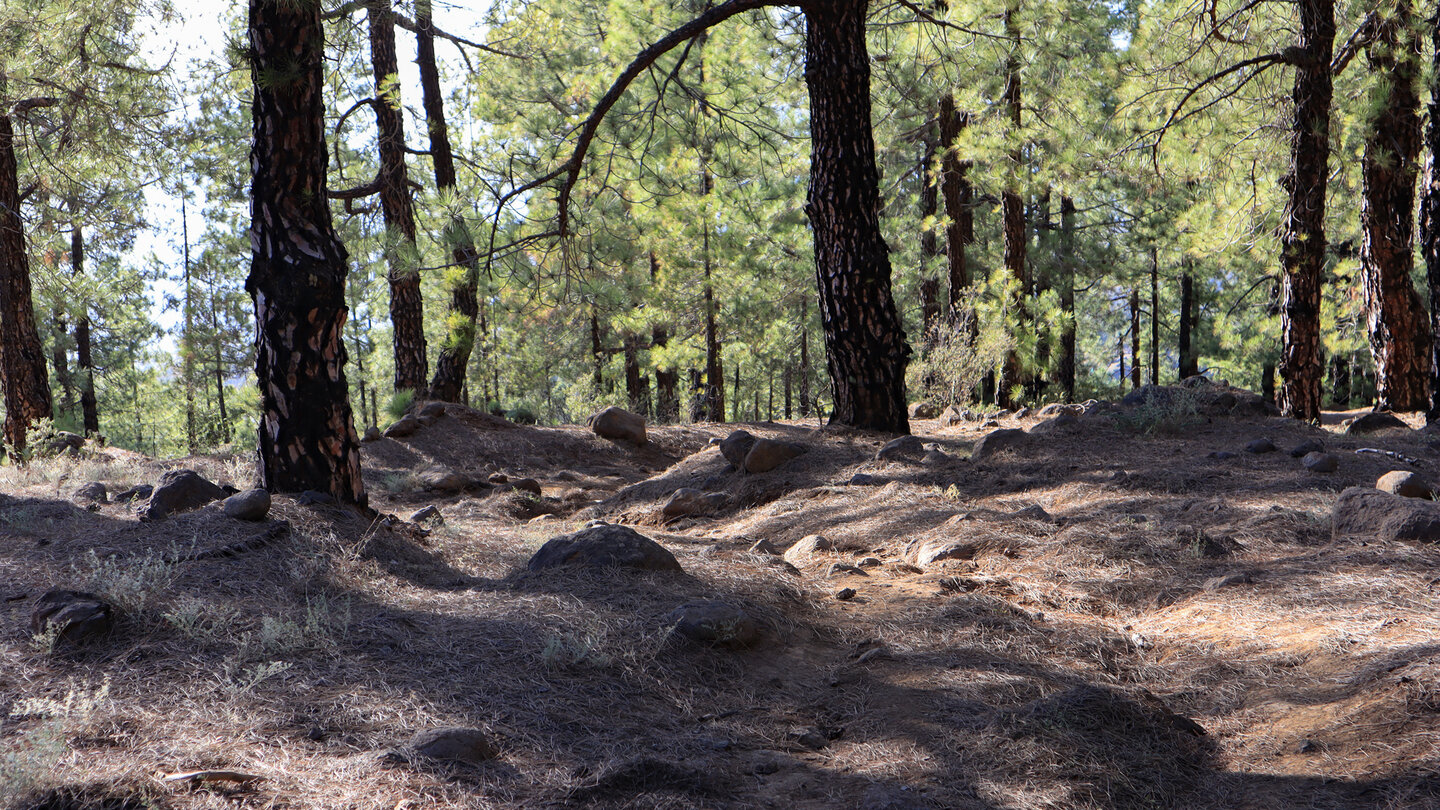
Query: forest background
(1135, 153)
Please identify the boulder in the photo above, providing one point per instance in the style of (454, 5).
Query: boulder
(1148, 395)
(717, 623)
(252, 504)
(65, 442)
(1307, 447)
(406, 425)
(951, 416)
(1023, 412)
(924, 410)
(605, 546)
(618, 424)
(736, 446)
(427, 513)
(688, 502)
(1370, 512)
(1056, 423)
(1261, 445)
(934, 457)
(997, 441)
(444, 479)
(139, 492)
(526, 485)
(93, 492)
(1406, 484)
(1320, 462)
(766, 547)
(767, 454)
(937, 550)
(464, 745)
(430, 411)
(900, 449)
(372, 434)
(72, 616)
(1056, 408)
(806, 547)
(1377, 422)
(1222, 403)
(178, 491)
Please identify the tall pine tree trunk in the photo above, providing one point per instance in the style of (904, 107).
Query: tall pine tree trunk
(22, 357)
(1430, 220)
(1398, 326)
(929, 244)
(448, 383)
(1302, 240)
(84, 356)
(1135, 337)
(667, 399)
(297, 273)
(864, 341)
(805, 401)
(1066, 285)
(1013, 208)
(958, 195)
(406, 306)
(1154, 315)
(1189, 364)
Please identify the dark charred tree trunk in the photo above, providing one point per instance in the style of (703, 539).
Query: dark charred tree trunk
(735, 396)
(1189, 364)
(1398, 326)
(1154, 315)
(1041, 260)
(929, 245)
(1302, 240)
(1065, 367)
(789, 397)
(714, 370)
(958, 196)
(406, 305)
(1120, 345)
(187, 341)
(297, 274)
(22, 356)
(667, 399)
(597, 352)
(637, 385)
(1430, 220)
(1135, 338)
(1267, 381)
(864, 341)
(1013, 210)
(1340, 382)
(448, 383)
(85, 362)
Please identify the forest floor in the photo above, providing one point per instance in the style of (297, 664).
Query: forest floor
(1172, 631)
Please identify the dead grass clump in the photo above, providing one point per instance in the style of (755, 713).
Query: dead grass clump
(93, 797)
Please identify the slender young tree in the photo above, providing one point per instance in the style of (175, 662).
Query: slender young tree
(297, 273)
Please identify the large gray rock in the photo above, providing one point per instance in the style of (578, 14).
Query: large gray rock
(901, 449)
(178, 491)
(465, 745)
(736, 447)
(65, 442)
(806, 547)
(72, 616)
(1406, 484)
(767, 454)
(998, 441)
(1321, 462)
(406, 425)
(951, 416)
(1061, 421)
(1377, 422)
(619, 424)
(1369, 512)
(688, 502)
(924, 410)
(605, 546)
(93, 492)
(444, 479)
(252, 504)
(714, 622)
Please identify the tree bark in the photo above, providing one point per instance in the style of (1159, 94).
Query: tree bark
(1302, 240)
(1399, 329)
(1189, 365)
(1066, 284)
(929, 244)
(406, 305)
(667, 380)
(637, 388)
(22, 357)
(448, 383)
(958, 195)
(297, 274)
(1430, 220)
(1135, 337)
(1013, 210)
(864, 340)
(1340, 382)
(1154, 315)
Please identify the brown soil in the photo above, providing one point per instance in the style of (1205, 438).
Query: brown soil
(1182, 632)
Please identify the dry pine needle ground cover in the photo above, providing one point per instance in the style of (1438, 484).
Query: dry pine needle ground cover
(1172, 630)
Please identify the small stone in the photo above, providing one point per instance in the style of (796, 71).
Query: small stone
(869, 562)
(766, 547)
(1320, 462)
(991, 423)
(1307, 447)
(837, 569)
(806, 547)
(1034, 512)
(139, 492)
(252, 504)
(765, 763)
(431, 411)
(714, 622)
(1057, 423)
(1221, 455)
(1406, 484)
(1307, 747)
(372, 434)
(464, 745)
(529, 485)
(811, 738)
(406, 425)
(865, 480)
(427, 513)
(998, 441)
(1216, 583)
(93, 492)
(619, 424)
(901, 449)
(934, 458)
(1261, 445)
(73, 616)
(688, 502)
(768, 454)
(845, 594)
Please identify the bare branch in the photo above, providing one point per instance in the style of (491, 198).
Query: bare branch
(410, 25)
(1365, 33)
